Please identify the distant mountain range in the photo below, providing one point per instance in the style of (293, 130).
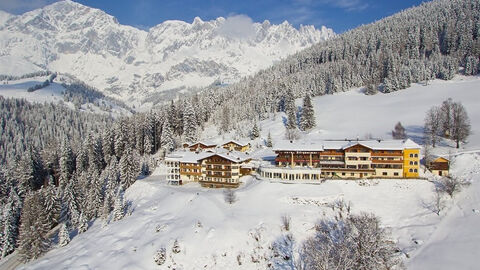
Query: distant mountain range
(135, 65)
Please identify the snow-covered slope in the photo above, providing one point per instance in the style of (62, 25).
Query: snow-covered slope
(215, 235)
(55, 93)
(353, 114)
(132, 64)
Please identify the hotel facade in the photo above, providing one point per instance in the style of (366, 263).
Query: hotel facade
(344, 160)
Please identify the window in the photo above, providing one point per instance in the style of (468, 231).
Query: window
(411, 155)
(395, 173)
(415, 170)
(416, 155)
(411, 170)
(343, 174)
(411, 162)
(352, 174)
(384, 173)
(416, 163)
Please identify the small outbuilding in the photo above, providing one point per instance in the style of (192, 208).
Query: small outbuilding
(439, 166)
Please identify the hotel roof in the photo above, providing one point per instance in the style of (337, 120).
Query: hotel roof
(316, 146)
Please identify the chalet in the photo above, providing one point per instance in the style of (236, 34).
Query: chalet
(236, 146)
(220, 168)
(184, 167)
(346, 159)
(439, 166)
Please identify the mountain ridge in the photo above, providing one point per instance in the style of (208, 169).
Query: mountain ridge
(130, 64)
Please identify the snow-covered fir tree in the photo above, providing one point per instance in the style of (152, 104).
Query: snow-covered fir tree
(307, 119)
(67, 160)
(10, 221)
(33, 240)
(129, 168)
(269, 140)
(167, 141)
(255, 133)
(83, 224)
(119, 206)
(63, 235)
(189, 123)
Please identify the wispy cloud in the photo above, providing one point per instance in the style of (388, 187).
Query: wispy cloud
(21, 6)
(348, 5)
(237, 27)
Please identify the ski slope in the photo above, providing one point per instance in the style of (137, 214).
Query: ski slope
(215, 235)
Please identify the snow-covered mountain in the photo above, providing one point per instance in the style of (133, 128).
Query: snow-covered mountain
(132, 64)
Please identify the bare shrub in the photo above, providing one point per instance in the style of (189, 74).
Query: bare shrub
(351, 242)
(161, 256)
(286, 222)
(229, 196)
(451, 185)
(292, 134)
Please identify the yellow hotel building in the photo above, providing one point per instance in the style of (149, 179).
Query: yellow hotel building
(347, 159)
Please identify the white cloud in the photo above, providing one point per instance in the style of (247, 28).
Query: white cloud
(237, 27)
(21, 6)
(349, 5)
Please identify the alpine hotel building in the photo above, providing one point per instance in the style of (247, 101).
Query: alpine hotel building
(344, 159)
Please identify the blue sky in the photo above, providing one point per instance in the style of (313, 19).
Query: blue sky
(341, 15)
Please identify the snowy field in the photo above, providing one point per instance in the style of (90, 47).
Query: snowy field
(215, 235)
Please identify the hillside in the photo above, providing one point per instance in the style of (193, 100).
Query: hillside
(437, 39)
(56, 92)
(136, 65)
(215, 235)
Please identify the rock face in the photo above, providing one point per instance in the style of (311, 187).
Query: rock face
(131, 64)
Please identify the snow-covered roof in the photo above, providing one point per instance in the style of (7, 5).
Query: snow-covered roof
(234, 156)
(341, 145)
(206, 143)
(188, 157)
(192, 157)
(241, 143)
(298, 146)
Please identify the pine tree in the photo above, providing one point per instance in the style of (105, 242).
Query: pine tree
(167, 137)
(108, 144)
(34, 227)
(149, 133)
(82, 159)
(63, 235)
(52, 205)
(307, 120)
(83, 224)
(70, 212)
(95, 155)
(269, 140)
(290, 110)
(128, 168)
(255, 133)
(10, 220)
(189, 123)
(119, 206)
(225, 120)
(67, 162)
(94, 198)
(29, 172)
